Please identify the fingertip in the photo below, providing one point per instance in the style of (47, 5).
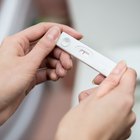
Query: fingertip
(53, 76)
(83, 95)
(120, 67)
(79, 36)
(98, 79)
(68, 65)
(72, 32)
(60, 71)
(66, 61)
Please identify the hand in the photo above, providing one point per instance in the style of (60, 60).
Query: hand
(29, 58)
(104, 112)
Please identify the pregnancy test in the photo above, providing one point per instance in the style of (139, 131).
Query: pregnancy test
(85, 54)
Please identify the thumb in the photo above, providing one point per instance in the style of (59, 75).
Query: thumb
(44, 46)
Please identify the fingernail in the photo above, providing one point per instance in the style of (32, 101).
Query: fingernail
(121, 66)
(53, 33)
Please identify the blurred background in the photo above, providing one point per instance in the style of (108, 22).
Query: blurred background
(111, 27)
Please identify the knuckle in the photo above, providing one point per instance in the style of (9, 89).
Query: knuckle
(66, 26)
(127, 103)
(128, 134)
(132, 73)
(42, 43)
(80, 96)
(42, 24)
(113, 80)
(47, 43)
(7, 39)
(133, 118)
(45, 25)
(135, 73)
(83, 95)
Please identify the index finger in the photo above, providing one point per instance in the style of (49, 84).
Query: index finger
(128, 80)
(37, 31)
(113, 80)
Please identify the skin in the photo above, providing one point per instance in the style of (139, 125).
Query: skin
(29, 58)
(104, 112)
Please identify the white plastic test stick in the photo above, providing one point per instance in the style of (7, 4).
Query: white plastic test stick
(84, 53)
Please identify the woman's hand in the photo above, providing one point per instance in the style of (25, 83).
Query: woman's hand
(104, 112)
(29, 58)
